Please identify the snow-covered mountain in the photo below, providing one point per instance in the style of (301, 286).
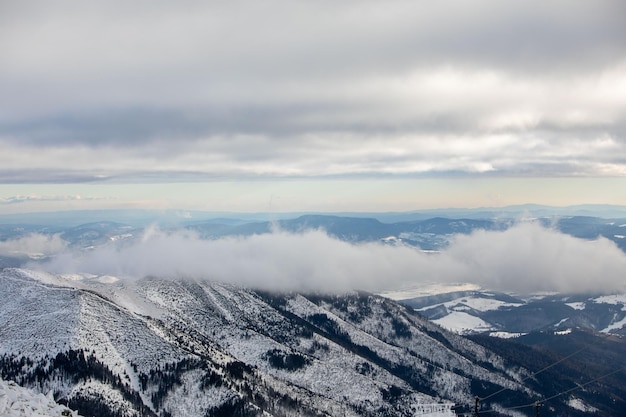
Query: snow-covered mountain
(155, 347)
(506, 315)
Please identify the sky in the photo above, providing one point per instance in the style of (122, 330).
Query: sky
(311, 106)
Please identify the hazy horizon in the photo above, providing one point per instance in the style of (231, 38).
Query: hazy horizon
(314, 195)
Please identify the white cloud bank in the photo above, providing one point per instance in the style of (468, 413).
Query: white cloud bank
(33, 245)
(526, 258)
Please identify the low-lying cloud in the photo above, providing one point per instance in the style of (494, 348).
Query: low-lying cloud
(34, 245)
(526, 258)
(530, 258)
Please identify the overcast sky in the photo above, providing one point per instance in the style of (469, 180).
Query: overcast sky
(318, 105)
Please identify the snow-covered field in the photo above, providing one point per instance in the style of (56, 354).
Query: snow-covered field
(462, 323)
(477, 311)
(506, 335)
(428, 289)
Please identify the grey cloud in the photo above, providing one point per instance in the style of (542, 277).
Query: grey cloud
(135, 127)
(320, 154)
(277, 88)
(526, 259)
(282, 37)
(49, 176)
(194, 51)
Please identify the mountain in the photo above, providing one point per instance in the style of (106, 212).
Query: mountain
(471, 312)
(583, 334)
(168, 218)
(431, 234)
(586, 227)
(428, 234)
(155, 347)
(576, 361)
(170, 347)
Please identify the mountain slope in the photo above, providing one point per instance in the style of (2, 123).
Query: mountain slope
(156, 347)
(503, 313)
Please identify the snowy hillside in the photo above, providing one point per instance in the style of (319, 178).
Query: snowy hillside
(167, 348)
(468, 312)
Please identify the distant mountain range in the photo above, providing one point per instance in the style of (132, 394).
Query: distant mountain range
(142, 218)
(429, 234)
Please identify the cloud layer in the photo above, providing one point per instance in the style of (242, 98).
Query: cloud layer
(33, 245)
(526, 259)
(238, 89)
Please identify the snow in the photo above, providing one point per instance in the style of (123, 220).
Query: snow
(478, 303)
(561, 322)
(373, 335)
(578, 404)
(506, 335)
(113, 398)
(120, 237)
(199, 400)
(434, 410)
(49, 326)
(614, 326)
(60, 318)
(16, 401)
(577, 306)
(619, 236)
(462, 323)
(616, 299)
(563, 332)
(114, 320)
(427, 289)
(611, 299)
(485, 304)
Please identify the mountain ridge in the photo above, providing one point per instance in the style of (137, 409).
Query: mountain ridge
(154, 346)
(143, 217)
